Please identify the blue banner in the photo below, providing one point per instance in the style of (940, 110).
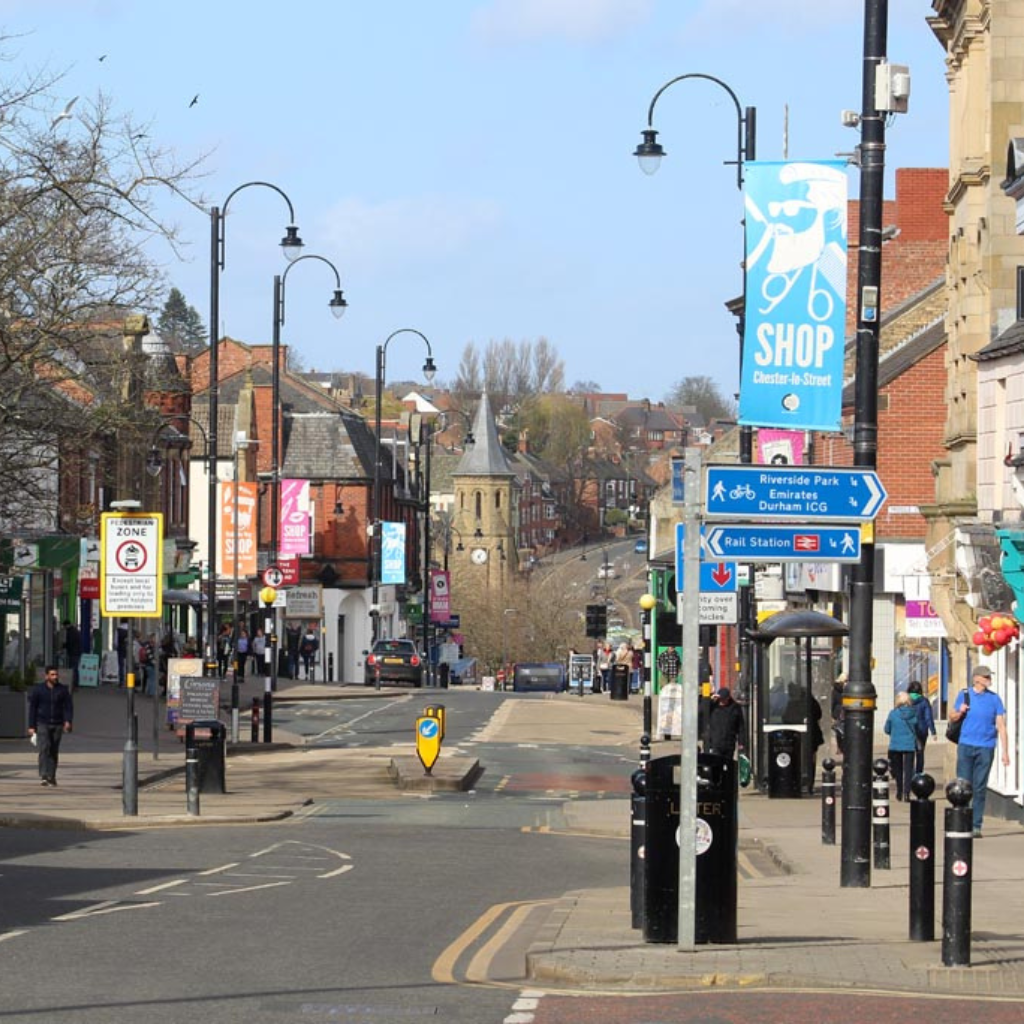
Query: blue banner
(794, 335)
(392, 555)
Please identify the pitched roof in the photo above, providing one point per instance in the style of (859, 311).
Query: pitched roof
(486, 456)
(328, 446)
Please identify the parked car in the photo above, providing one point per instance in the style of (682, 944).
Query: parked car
(640, 547)
(393, 661)
(607, 572)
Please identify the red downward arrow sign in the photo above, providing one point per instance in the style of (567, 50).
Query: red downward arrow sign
(721, 574)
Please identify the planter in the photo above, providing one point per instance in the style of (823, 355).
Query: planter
(13, 714)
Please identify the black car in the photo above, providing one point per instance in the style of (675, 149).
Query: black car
(394, 661)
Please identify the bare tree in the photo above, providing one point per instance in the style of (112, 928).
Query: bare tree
(704, 395)
(78, 197)
(469, 379)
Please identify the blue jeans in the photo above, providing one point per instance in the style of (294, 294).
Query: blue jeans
(974, 764)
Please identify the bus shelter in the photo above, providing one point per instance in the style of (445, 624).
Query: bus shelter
(795, 655)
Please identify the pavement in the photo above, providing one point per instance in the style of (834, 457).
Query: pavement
(797, 928)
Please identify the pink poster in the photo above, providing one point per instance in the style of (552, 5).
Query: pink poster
(440, 603)
(294, 539)
(780, 447)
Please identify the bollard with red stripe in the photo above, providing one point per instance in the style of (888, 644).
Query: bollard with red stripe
(880, 814)
(956, 877)
(828, 802)
(922, 859)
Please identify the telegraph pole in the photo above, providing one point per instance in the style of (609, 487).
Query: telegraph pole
(859, 694)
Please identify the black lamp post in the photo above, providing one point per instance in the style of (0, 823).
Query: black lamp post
(337, 306)
(291, 244)
(649, 154)
(428, 372)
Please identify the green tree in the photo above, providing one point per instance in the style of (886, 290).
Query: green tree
(180, 324)
(704, 395)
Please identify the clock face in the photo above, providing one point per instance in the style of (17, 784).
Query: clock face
(479, 555)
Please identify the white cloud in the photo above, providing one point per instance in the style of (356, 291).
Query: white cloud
(403, 232)
(577, 21)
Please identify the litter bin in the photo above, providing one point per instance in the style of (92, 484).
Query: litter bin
(784, 746)
(619, 690)
(210, 741)
(715, 842)
(443, 674)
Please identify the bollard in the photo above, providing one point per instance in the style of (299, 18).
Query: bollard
(828, 802)
(645, 749)
(330, 667)
(268, 713)
(956, 876)
(191, 770)
(922, 859)
(880, 814)
(254, 735)
(234, 710)
(637, 835)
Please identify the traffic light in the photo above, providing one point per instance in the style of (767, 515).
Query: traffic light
(597, 621)
(708, 636)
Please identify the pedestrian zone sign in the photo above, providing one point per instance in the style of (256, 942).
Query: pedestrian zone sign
(131, 564)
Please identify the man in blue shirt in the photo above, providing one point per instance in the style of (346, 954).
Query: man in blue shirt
(985, 721)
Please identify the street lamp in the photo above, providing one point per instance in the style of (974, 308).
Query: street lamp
(337, 306)
(291, 244)
(504, 643)
(649, 154)
(428, 372)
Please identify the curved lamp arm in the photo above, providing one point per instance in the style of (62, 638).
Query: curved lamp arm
(650, 152)
(291, 243)
(337, 305)
(428, 367)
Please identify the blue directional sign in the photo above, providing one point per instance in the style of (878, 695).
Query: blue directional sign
(428, 728)
(804, 493)
(718, 577)
(749, 543)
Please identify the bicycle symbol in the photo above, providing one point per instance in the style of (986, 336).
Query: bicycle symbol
(743, 491)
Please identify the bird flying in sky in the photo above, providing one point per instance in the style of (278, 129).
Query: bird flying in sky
(64, 114)
(195, 100)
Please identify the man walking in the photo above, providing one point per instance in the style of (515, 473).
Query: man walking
(984, 721)
(725, 725)
(50, 714)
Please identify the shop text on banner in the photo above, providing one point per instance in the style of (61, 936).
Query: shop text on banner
(294, 532)
(795, 294)
(392, 559)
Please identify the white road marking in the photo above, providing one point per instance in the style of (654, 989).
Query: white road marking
(99, 909)
(223, 867)
(10, 935)
(341, 726)
(248, 888)
(158, 888)
(337, 871)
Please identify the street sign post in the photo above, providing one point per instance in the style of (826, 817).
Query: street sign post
(716, 577)
(273, 576)
(131, 564)
(755, 543)
(803, 493)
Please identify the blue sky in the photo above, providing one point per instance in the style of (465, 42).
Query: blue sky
(467, 164)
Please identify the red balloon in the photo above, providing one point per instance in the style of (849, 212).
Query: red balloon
(988, 648)
(986, 623)
(978, 638)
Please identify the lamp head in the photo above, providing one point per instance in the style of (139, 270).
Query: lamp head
(154, 461)
(649, 152)
(648, 601)
(291, 244)
(429, 369)
(338, 305)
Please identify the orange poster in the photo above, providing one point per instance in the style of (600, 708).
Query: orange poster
(246, 529)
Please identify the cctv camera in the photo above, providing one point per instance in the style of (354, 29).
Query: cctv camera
(849, 118)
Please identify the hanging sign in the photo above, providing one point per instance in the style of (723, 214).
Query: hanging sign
(795, 302)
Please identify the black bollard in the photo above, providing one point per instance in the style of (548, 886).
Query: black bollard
(922, 859)
(828, 802)
(645, 749)
(234, 709)
(880, 814)
(191, 770)
(637, 835)
(268, 712)
(254, 733)
(956, 876)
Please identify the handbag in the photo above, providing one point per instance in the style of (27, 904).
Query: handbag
(745, 771)
(953, 728)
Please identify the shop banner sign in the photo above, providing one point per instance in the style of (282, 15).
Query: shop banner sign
(440, 596)
(780, 447)
(794, 331)
(10, 595)
(392, 556)
(294, 532)
(244, 508)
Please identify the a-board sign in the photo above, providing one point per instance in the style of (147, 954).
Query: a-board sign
(200, 698)
(179, 669)
(89, 670)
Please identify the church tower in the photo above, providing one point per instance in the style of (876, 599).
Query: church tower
(485, 511)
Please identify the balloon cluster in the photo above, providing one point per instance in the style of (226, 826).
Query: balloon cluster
(996, 631)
